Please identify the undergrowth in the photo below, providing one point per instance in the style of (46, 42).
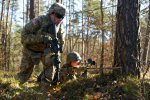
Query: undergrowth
(94, 87)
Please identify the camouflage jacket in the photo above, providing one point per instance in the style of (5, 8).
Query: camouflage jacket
(33, 32)
(67, 73)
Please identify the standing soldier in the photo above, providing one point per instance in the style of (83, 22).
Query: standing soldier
(36, 37)
(68, 70)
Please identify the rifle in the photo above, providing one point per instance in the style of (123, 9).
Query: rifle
(54, 47)
(83, 70)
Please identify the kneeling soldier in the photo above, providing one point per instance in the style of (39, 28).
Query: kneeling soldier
(67, 72)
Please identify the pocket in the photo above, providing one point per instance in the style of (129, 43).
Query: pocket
(36, 57)
(49, 59)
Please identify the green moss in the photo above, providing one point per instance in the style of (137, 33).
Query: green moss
(94, 86)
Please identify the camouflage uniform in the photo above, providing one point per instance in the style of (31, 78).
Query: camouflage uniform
(32, 38)
(68, 72)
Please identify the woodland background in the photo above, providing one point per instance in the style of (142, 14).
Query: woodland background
(113, 33)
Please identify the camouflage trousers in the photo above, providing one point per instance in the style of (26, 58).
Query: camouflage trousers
(30, 59)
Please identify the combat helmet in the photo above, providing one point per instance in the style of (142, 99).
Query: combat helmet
(57, 8)
(73, 56)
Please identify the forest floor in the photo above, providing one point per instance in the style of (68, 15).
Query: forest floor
(94, 87)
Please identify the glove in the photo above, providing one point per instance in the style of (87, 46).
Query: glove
(47, 39)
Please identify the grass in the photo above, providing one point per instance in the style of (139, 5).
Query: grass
(93, 87)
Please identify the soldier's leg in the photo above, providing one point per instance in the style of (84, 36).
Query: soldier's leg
(46, 77)
(26, 67)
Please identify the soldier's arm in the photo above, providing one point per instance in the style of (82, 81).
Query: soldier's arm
(63, 74)
(30, 32)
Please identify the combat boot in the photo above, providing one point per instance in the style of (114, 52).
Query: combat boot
(22, 78)
(44, 84)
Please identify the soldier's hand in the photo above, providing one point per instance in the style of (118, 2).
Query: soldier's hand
(47, 39)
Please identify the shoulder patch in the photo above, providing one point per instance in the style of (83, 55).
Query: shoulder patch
(35, 22)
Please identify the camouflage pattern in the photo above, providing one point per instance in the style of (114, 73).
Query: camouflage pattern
(33, 48)
(67, 72)
(35, 30)
(57, 8)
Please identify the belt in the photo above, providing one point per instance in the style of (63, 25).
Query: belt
(35, 51)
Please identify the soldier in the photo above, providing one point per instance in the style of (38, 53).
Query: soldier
(68, 70)
(35, 37)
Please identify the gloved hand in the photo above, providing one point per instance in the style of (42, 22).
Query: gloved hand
(47, 39)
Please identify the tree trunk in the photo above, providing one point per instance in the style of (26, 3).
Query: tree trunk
(23, 14)
(87, 39)
(102, 47)
(126, 54)
(38, 13)
(2, 35)
(146, 40)
(32, 13)
(7, 38)
(2, 13)
(27, 11)
(3, 38)
(83, 58)
(112, 30)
